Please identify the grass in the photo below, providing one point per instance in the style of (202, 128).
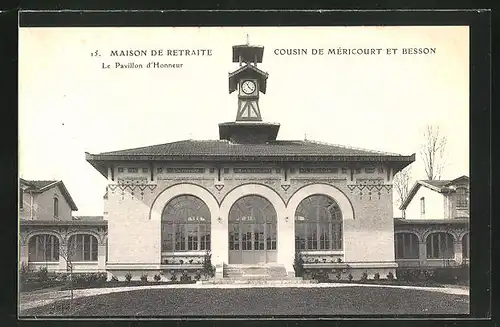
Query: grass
(353, 300)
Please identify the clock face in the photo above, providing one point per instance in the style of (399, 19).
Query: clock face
(248, 87)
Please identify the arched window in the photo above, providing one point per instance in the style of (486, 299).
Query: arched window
(82, 247)
(465, 246)
(318, 224)
(440, 246)
(56, 207)
(42, 248)
(406, 246)
(186, 225)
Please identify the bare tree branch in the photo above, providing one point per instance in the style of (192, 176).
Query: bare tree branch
(433, 151)
(401, 184)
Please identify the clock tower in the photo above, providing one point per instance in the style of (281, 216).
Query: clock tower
(249, 81)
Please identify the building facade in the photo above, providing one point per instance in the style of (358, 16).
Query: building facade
(51, 237)
(435, 231)
(249, 198)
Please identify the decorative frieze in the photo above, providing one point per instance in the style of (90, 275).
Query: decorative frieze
(255, 170)
(185, 170)
(183, 178)
(318, 180)
(370, 170)
(318, 170)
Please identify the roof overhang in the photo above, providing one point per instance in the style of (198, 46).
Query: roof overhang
(102, 162)
(250, 53)
(63, 223)
(409, 222)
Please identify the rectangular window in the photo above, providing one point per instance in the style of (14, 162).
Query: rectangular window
(422, 206)
(132, 170)
(168, 242)
(120, 170)
(324, 237)
(300, 236)
(192, 232)
(180, 238)
(145, 170)
(86, 247)
(462, 197)
(312, 236)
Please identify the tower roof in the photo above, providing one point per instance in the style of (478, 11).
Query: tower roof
(248, 53)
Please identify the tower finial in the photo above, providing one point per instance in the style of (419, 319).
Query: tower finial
(248, 40)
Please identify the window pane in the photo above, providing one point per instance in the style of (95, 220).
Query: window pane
(192, 231)
(318, 224)
(182, 218)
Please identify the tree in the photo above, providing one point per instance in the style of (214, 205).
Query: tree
(67, 253)
(401, 184)
(433, 152)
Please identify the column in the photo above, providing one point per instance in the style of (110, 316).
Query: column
(422, 253)
(62, 260)
(457, 246)
(286, 241)
(219, 240)
(101, 257)
(23, 254)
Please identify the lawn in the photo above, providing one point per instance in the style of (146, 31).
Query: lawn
(261, 301)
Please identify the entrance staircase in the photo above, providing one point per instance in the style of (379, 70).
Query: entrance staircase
(258, 274)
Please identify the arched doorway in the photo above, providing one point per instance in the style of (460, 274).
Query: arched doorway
(252, 231)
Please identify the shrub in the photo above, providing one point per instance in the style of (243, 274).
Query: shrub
(42, 275)
(376, 276)
(321, 277)
(364, 276)
(157, 278)
(339, 275)
(144, 278)
(173, 277)
(298, 265)
(24, 272)
(350, 277)
(339, 260)
(390, 276)
(185, 277)
(114, 279)
(208, 268)
(128, 277)
(102, 277)
(63, 277)
(197, 276)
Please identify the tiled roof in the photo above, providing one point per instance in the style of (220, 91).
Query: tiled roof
(435, 185)
(37, 185)
(226, 148)
(40, 186)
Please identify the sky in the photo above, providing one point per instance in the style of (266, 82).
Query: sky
(69, 104)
